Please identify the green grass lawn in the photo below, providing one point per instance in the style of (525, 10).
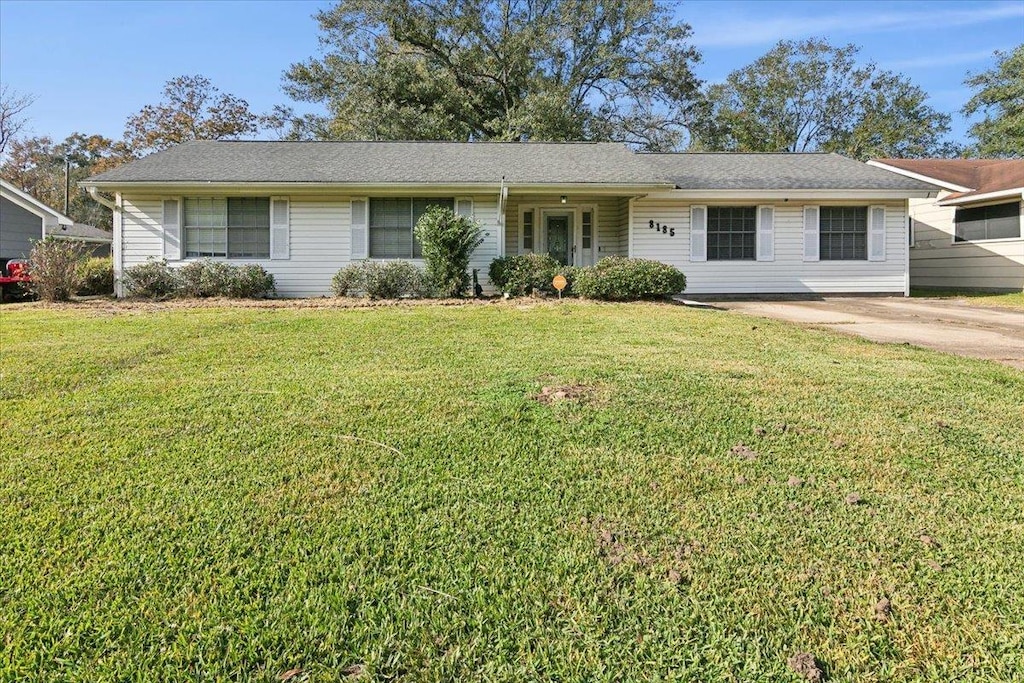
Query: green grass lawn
(1002, 300)
(195, 494)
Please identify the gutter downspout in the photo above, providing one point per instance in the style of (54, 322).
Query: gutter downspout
(115, 246)
(95, 194)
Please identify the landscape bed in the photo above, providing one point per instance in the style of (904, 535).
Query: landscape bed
(514, 491)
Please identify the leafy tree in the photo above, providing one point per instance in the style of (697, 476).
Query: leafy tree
(999, 93)
(499, 70)
(12, 105)
(37, 166)
(811, 96)
(192, 109)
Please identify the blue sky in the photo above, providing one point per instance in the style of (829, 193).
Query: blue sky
(92, 64)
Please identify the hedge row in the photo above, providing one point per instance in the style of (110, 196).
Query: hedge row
(157, 280)
(614, 278)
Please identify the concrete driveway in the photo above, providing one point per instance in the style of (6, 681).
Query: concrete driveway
(952, 326)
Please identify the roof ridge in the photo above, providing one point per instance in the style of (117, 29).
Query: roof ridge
(417, 142)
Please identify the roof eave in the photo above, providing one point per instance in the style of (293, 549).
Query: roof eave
(366, 188)
(1013, 193)
(945, 184)
(808, 193)
(33, 205)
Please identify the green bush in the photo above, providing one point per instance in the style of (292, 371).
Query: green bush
(156, 280)
(251, 281)
(208, 278)
(205, 278)
(153, 279)
(525, 274)
(97, 275)
(448, 241)
(627, 279)
(381, 280)
(55, 266)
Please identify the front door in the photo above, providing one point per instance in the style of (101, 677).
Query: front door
(559, 239)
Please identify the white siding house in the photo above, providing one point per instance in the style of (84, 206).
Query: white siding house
(970, 235)
(735, 224)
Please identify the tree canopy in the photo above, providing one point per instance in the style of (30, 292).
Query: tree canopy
(813, 96)
(193, 108)
(503, 70)
(999, 95)
(37, 166)
(12, 119)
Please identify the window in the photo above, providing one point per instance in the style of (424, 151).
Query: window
(391, 225)
(998, 221)
(588, 229)
(732, 233)
(236, 227)
(527, 230)
(843, 233)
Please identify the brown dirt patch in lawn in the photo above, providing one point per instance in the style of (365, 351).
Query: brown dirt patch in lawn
(564, 392)
(806, 666)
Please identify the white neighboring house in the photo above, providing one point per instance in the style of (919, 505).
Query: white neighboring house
(970, 236)
(733, 223)
(25, 220)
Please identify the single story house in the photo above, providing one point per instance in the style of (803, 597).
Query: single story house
(734, 223)
(24, 220)
(969, 236)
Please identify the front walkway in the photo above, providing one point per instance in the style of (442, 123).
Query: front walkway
(950, 326)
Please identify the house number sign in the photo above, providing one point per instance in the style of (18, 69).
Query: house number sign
(663, 229)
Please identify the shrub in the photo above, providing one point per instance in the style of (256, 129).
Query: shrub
(205, 278)
(627, 279)
(97, 275)
(155, 279)
(55, 266)
(251, 281)
(388, 280)
(448, 241)
(525, 274)
(152, 280)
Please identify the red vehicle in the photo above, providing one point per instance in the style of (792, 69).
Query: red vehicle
(13, 278)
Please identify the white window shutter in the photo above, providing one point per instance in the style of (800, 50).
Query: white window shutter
(698, 233)
(464, 207)
(359, 229)
(279, 228)
(876, 233)
(811, 243)
(766, 233)
(172, 230)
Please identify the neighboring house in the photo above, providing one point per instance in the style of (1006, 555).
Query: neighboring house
(970, 236)
(25, 220)
(734, 223)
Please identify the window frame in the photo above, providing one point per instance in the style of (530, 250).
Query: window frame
(187, 254)
(865, 235)
(711, 210)
(523, 247)
(412, 229)
(1020, 224)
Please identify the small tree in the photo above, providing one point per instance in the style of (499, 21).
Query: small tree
(448, 241)
(56, 268)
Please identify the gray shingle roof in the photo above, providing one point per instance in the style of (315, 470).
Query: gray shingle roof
(808, 171)
(455, 163)
(81, 230)
(386, 162)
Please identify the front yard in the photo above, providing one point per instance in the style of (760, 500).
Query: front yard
(500, 492)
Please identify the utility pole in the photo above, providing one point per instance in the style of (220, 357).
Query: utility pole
(67, 185)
